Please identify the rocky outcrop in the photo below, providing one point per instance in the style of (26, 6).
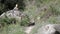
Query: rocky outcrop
(18, 15)
(12, 13)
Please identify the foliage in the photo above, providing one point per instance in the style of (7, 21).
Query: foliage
(7, 20)
(25, 21)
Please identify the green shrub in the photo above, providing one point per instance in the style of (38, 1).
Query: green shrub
(25, 21)
(7, 20)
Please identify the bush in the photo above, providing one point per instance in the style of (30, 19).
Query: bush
(25, 21)
(7, 21)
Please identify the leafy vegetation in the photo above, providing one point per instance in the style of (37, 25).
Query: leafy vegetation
(25, 21)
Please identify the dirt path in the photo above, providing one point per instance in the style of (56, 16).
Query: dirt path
(28, 29)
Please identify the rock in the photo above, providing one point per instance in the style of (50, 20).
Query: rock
(12, 13)
(49, 29)
(29, 29)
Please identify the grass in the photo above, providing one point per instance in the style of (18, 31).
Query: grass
(38, 10)
(12, 29)
(35, 9)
